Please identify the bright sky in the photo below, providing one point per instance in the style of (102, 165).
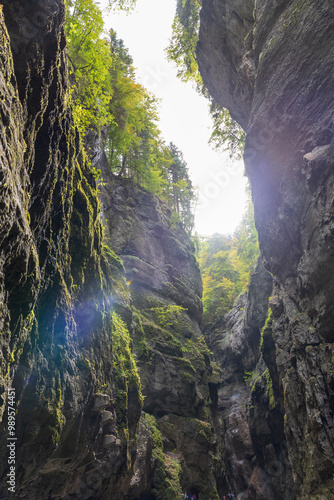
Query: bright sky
(184, 116)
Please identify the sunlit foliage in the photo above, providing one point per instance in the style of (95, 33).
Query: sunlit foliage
(89, 62)
(227, 135)
(108, 100)
(181, 194)
(182, 47)
(226, 263)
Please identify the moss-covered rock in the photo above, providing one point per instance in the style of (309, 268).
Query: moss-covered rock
(172, 356)
(56, 276)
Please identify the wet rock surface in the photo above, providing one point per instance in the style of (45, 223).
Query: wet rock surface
(80, 428)
(263, 423)
(254, 441)
(55, 280)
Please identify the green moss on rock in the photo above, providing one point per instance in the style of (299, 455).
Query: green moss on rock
(126, 375)
(167, 469)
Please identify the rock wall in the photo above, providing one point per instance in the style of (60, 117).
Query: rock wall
(174, 364)
(264, 424)
(55, 280)
(254, 442)
(271, 65)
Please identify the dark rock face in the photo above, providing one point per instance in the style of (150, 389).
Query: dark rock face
(225, 54)
(80, 430)
(271, 64)
(254, 443)
(286, 107)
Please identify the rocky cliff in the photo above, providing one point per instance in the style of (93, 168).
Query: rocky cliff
(56, 282)
(271, 65)
(174, 365)
(103, 363)
(254, 443)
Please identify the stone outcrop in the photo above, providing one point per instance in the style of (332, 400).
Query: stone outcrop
(274, 71)
(263, 423)
(68, 310)
(225, 54)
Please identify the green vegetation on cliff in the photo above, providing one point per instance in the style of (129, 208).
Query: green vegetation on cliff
(126, 375)
(108, 101)
(226, 263)
(167, 470)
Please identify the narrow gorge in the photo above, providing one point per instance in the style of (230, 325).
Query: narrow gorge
(117, 387)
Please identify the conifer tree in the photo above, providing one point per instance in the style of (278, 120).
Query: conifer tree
(108, 100)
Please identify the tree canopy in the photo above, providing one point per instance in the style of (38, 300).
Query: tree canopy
(226, 263)
(89, 62)
(181, 194)
(107, 99)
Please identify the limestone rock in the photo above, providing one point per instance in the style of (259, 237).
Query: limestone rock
(55, 284)
(235, 342)
(109, 440)
(106, 417)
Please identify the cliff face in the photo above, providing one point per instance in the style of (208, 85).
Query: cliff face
(172, 357)
(254, 442)
(55, 279)
(264, 423)
(271, 65)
